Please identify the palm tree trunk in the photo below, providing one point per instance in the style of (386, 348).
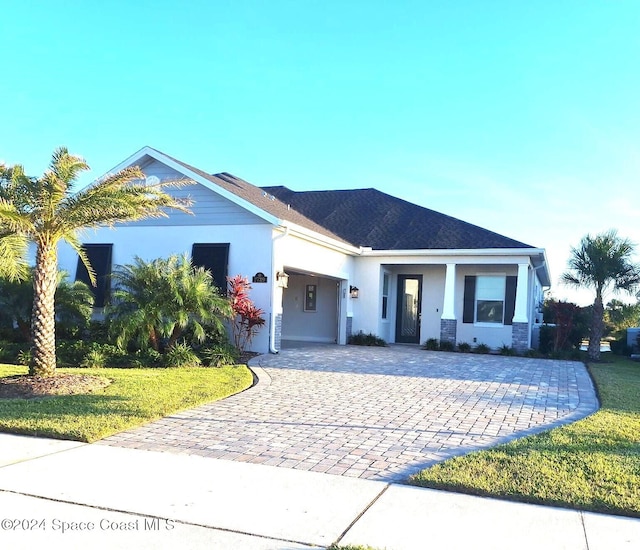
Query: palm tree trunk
(175, 334)
(43, 328)
(597, 328)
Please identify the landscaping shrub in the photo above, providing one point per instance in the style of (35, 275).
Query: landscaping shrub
(431, 344)
(464, 347)
(506, 350)
(181, 355)
(619, 346)
(145, 358)
(24, 357)
(445, 345)
(71, 353)
(481, 348)
(94, 358)
(247, 318)
(219, 355)
(362, 339)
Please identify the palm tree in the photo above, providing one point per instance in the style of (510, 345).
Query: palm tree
(160, 299)
(45, 211)
(602, 263)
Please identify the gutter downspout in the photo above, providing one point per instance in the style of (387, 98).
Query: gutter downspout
(272, 335)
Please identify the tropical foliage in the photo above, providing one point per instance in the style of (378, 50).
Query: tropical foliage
(247, 318)
(74, 304)
(45, 211)
(602, 264)
(620, 316)
(155, 302)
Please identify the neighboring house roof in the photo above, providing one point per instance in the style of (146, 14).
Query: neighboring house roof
(368, 217)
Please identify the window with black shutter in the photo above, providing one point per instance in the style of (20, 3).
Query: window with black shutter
(489, 299)
(215, 258)
(99, 256)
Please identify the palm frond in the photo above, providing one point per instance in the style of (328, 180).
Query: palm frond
(13, 256)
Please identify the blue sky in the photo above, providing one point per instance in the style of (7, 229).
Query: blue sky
(521, 117)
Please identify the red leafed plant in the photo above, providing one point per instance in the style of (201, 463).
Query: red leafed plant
(247, 317)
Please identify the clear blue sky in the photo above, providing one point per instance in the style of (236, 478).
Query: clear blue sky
(521, 117)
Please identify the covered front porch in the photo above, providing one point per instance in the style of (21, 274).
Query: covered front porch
(492, 299)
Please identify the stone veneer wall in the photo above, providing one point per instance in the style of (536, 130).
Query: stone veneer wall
(448, 330)
(277, 344)
(520, 337)
(349, 326)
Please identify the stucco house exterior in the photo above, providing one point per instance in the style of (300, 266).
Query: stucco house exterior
(326, 264)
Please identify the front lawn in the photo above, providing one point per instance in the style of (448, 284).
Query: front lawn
(593, 464)
(134, 397)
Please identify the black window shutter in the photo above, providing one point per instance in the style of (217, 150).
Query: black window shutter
(99, 256)
(510, 299)
(215, 258)
(469, 300)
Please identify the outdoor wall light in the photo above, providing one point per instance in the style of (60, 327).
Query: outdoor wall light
(283, 279)
(354, 291)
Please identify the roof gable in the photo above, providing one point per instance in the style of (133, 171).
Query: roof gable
(244, 194)
(368, 217)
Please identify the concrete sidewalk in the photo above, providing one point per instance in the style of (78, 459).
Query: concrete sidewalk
(66, 493)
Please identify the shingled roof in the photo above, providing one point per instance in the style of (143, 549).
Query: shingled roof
(361, 217)
(259, 197)
(368, 217)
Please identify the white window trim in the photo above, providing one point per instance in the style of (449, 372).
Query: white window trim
(484, 324)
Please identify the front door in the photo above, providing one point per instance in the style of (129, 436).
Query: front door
(409, 306)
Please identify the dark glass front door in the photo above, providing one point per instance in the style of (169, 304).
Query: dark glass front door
(409, 304)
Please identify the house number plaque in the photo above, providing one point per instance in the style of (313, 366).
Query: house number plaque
(259, 277)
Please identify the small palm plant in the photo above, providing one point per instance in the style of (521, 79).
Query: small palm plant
(155, 302)
(74, 302)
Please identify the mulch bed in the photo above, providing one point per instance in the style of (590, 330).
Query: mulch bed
(26, 387)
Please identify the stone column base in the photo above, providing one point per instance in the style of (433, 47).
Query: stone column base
(448, 330)
(277, 343)
(520, 337)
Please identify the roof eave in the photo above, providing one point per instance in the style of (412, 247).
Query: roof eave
(178, 167)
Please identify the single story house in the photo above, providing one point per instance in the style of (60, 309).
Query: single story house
(326, 264)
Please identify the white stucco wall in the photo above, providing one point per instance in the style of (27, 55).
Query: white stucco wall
(249, 253)
(471, 333)
(320, 325)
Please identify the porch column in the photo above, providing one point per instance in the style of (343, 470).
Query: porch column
(521, 337)
(448, 322)
(521, 313)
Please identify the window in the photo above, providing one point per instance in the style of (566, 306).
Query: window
(489, 299)
(310, 297)
(215, 258)
(385, 294)
(99, 256)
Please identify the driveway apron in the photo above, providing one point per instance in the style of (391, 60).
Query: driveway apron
(374, 413)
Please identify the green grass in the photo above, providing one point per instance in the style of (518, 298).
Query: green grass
(593, 464)
(134, 397)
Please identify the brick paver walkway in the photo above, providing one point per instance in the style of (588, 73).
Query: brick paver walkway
(376, 413)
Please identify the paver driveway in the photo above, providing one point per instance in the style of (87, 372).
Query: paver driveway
(376, 413)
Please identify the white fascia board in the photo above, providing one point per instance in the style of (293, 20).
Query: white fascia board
(317, 238)
(242, 203)
(465, 255)
(150, 152)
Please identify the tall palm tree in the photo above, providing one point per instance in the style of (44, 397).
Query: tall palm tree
(602, 263)
(45, 211)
